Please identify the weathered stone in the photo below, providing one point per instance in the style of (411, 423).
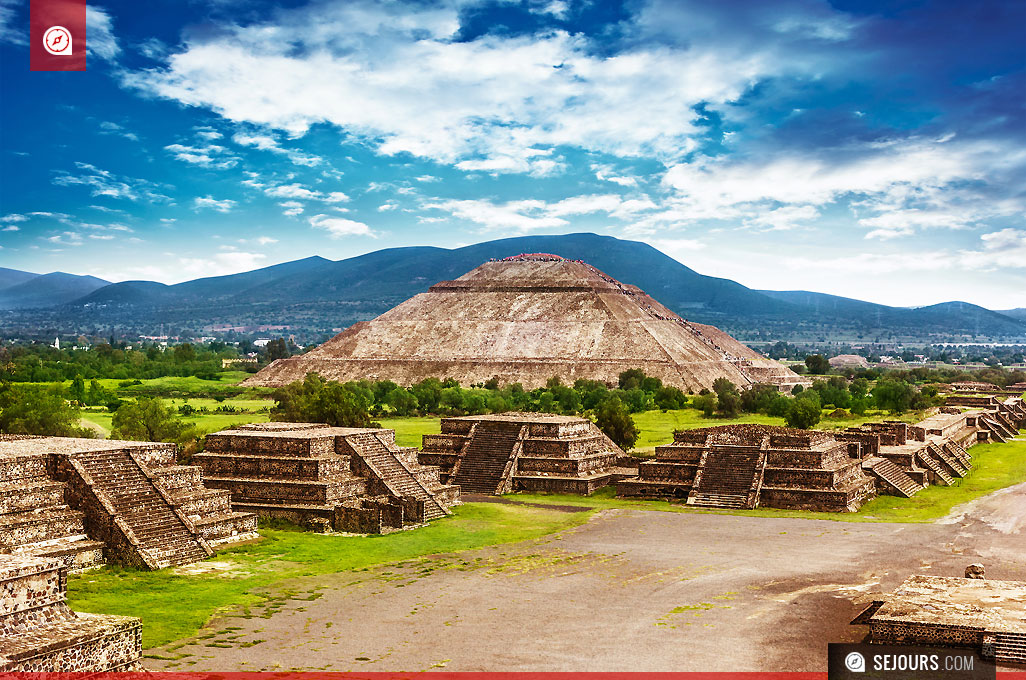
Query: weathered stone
(526, 319)
(975, 571)
(40, 634)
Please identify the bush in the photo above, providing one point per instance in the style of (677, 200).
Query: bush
(613, 418)
(803, 414)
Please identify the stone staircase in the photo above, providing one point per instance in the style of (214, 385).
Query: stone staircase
(892, 476)
(924, 458)
(954, 464)
(400, 480)
(164, 536)
(40, 634)
(997, 429)
(36, 521)
(726, 477)
(485, 459)
(959, 452)
(1010, 647)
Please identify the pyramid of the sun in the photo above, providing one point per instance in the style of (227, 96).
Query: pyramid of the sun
(525, 319)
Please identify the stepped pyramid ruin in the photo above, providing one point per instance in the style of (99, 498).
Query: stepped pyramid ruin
(495, 454)
(40, 634)
(747, 466)
(86, 501)
(341, 478)
(525, 319)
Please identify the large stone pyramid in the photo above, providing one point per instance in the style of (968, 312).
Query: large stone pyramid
(525, 319)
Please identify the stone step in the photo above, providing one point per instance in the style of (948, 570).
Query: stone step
(39, 525)
(87, 642)
(712, 500)
(30, 493)
(892, 475)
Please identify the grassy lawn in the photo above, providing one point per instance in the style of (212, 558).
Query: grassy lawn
(995, 466)
(408, 431)
(157, 597)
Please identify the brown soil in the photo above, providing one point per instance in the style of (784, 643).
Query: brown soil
(630, 590)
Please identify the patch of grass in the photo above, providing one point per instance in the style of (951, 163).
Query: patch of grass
(409, 431)
(174, 606)
(995, 466)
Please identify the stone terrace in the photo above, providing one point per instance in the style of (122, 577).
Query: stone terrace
(38, 633)
(345, 479)
(83, 501)
(953, 612)
(746, 466)
(524, 452)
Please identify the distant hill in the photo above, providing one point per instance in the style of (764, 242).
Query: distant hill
(48, 290)
(315, 295)
(1019, 313)
(12, 277)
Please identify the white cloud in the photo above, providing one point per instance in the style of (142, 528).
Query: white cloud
(209, 156)
(266, 142)
(265, 240)
(13, 217)
(782, 219)
(66, 238)
(387, 205)
(226, 262)
(109, 128)
(8, 33)
(337, 227)
(292, 208)
(606, 173)
(400, 83)
(101, 41)
(105, 183)
(529, 215)
(102, 237)
(207, 133)
(10, 227)
(221, 206)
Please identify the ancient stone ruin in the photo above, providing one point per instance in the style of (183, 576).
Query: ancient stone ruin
(40, 634)
(746, 466)
(953, 612)
(495, 454)
(84, 501)
(525, 319)
(338, 478)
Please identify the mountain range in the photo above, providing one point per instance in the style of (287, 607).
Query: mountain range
(314, 296)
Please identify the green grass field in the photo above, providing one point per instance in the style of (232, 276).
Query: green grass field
(408, 431)
(157, 597)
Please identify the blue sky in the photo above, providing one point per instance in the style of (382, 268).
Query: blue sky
(873, 150)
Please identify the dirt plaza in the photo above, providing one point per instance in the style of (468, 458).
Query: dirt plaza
(629, 589)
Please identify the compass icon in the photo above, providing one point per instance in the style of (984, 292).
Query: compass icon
(57, 41)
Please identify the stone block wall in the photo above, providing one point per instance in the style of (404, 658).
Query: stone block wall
(38, 633)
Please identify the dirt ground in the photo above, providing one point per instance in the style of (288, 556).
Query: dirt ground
(628, 591)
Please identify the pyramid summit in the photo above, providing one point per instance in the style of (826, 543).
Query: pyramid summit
(525, 319)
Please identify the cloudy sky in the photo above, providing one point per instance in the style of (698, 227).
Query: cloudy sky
(873, 150)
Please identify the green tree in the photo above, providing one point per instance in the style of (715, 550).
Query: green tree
(631, 378)
(817, 364)
(30, 409)
(184, 353)
(77, 391)
(613, 418)
(314, 400)
(277, 349)
(804, 413)
(402, 401)
(706, 403)
(149, 419)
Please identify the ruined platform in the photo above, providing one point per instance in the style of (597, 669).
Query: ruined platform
(954, 612)
(345, 479)
(524, 320)
(84, 501)
(747, 466)
(40, 634)
(498, 453)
